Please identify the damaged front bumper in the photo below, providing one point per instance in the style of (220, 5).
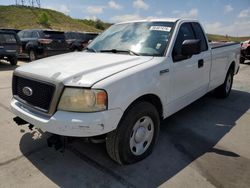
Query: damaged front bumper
(70, 123)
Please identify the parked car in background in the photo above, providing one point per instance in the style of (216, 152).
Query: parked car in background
(8, 29)
(78, 41)
(37, 43)
(245, 51)
(10, 46)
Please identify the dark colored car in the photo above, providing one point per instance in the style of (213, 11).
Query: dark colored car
(245, 51)
(42, 43)
(77, 41)
(8, 29)
(10, 46)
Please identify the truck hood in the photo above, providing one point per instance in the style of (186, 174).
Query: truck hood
(80, 68)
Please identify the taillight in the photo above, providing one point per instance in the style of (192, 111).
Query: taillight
(45, 41)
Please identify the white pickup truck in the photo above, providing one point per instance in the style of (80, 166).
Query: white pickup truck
(131, 77)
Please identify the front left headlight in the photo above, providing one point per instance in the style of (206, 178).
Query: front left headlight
(83, 100)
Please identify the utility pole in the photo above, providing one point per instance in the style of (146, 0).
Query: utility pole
(38, 3)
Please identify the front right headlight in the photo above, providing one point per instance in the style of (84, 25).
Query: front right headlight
(83, 100)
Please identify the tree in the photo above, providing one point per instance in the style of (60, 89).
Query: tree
(44, 19)
(99, 24)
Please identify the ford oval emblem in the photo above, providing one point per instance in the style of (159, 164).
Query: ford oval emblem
(27, 91)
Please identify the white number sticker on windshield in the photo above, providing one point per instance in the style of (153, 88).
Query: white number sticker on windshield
(160, 28)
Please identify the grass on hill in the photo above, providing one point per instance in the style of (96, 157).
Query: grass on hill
(20, 17)
(213, 37)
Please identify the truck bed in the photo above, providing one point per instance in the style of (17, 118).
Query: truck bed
(221, 44)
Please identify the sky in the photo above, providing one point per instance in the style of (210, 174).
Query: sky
(231, 17)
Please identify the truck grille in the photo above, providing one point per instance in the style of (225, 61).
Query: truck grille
(39, 94)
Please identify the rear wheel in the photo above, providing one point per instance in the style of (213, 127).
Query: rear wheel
(136, 134)
(224, 90)
(13, 60)
(32, 55)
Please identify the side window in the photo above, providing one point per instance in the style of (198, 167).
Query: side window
(7, 39)
(20, 34)
(185, 33)
(10, 39)
(200, 35)
(34, 34)
(27, 34)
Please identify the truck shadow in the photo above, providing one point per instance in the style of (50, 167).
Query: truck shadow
(184, 137)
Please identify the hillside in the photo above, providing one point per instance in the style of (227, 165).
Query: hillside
(26, 17)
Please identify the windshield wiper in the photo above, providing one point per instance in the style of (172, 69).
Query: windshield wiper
(90, 49)
(121, 51)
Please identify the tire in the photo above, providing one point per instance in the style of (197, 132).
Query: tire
(224, 90)
(136, 134)
(242, 60)
(32, 55)
(13, 60)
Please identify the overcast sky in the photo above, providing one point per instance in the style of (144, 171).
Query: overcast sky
(218, 16)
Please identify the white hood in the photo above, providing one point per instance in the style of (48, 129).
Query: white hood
(81, 68)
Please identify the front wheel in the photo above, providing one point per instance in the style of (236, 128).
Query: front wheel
(136, 134)
(224, 90)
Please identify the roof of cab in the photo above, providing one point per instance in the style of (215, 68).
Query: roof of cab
(159, 20)
(152, 20)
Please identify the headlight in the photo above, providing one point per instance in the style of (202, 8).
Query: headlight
(83, 100)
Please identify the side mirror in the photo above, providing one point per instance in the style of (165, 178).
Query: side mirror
(190, 47)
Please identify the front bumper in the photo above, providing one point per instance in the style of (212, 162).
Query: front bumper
(70, 123)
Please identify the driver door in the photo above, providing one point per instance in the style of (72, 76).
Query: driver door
(187, 81)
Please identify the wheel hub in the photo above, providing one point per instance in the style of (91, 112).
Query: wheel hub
(140, 134)
(228, 85)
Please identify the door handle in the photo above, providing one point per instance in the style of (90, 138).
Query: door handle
(200, 63)
(164, 71)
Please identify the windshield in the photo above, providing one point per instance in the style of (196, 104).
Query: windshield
(142, 38)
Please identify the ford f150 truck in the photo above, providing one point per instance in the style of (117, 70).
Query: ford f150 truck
(131, 77)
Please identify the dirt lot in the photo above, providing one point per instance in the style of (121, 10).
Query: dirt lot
(206, 144)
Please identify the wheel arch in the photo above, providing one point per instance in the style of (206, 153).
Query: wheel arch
(151, 98)
(29, 46)
(232, 66)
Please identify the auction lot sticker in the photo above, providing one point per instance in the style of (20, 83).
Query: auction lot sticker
(160, 28)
